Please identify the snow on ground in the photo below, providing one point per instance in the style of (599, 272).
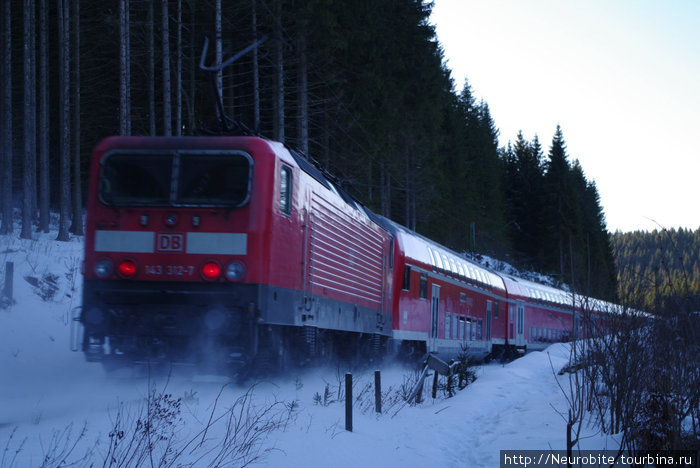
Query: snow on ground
(50, 395)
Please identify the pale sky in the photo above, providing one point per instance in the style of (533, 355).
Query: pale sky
(621, 77)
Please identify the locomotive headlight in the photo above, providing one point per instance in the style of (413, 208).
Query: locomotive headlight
(234, 271)
(103, 268)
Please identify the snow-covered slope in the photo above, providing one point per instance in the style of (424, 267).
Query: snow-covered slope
(54, 406)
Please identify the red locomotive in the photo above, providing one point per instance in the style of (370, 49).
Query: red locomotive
(227, 245)
(238, 249)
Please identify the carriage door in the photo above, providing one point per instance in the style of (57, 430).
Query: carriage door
(434, 318)
(489, 309)
(520, 325)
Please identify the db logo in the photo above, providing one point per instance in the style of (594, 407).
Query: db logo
(166, 242)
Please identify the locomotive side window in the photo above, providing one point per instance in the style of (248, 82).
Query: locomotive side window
(286, 190)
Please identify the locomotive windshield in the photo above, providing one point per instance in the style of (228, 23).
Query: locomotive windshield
(177, 179)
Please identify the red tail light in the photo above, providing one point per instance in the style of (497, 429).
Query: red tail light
(127, 268)
(211, 270)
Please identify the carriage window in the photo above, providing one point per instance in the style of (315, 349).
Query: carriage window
(433, 263)
(438, 262)
(462, 276)
(286, 190)
(406, 278)
(423, 286)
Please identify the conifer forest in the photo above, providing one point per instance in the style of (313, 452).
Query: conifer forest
(659, 270)
(360, 87)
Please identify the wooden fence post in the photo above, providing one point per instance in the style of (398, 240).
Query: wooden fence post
(9, 276)
(378, 391)
(348, 402)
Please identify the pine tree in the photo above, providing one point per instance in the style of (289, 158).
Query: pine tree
(558, 207)
(43, 124)
(524, 190)
(64, 118)
(29, 166)
(6, 126)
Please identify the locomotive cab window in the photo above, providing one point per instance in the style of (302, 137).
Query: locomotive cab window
(176, 178)
(286, 190)
(135, 178)
(212, 179)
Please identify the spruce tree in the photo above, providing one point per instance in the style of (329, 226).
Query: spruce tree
(558, 208)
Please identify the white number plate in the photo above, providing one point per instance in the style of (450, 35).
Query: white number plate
(169, 270)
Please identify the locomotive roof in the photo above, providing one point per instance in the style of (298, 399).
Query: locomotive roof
(313, 169)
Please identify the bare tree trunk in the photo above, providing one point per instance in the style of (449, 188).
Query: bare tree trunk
(125, 69)
(192, 90)
(29, 122)
(385, 201)
(44, 129)
(32, 49)
(414, 220)
(278, 121)
(218, 44)
(178, 72)
(77, 224)
(326, 138)
(6, 144)
(167, 112)
(303, 92)
(193, 66)
(151, 70)
(409, 193)
(64, 116)
(256, 73)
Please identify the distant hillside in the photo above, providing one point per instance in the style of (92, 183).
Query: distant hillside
(659, 270)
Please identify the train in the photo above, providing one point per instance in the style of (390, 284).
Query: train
(240, 251)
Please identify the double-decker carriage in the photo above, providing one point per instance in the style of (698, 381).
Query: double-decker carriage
(443, 303)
